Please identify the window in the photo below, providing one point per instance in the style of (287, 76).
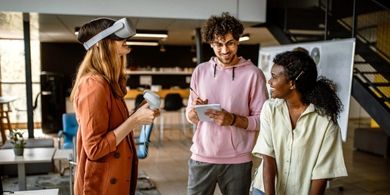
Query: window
(12, 63)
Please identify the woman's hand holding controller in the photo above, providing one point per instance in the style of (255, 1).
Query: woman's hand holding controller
(144, 115)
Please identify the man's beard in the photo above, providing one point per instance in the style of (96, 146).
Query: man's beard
(227, 61)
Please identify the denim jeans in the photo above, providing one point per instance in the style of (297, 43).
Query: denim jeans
(256, 191)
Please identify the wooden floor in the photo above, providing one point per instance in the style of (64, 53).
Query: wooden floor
(166, 164)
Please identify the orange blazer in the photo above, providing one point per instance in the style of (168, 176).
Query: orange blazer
(102, 167)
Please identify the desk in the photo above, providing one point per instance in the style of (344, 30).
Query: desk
(5, 108)
(37, 192)
(31, 155)
(132, 94)
(184, 93)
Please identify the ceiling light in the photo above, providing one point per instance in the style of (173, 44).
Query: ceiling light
(162, 48)
(244, 37)
(142, 43)
(151, 34)
(146, 35)
(76, 30)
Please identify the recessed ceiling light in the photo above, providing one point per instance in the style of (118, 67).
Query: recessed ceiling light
(142, 43)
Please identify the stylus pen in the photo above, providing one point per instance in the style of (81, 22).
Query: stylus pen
(201, 101)
(194, 92)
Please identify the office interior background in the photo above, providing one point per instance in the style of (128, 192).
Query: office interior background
(39, 53)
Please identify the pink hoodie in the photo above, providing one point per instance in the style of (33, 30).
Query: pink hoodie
(239, 89)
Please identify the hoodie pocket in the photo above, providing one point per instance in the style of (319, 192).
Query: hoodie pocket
(211, 140)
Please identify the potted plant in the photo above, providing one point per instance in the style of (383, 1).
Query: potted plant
(16, 138)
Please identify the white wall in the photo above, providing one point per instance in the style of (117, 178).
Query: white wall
(247, 10)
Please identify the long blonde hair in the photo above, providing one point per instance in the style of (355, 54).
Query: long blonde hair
(103, 60)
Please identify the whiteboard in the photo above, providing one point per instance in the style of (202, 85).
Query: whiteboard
(334, 60)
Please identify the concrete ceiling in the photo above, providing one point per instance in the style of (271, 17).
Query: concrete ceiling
(60, 28)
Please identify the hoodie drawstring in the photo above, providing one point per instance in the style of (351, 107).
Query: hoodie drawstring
(215, 71)
(233, 73)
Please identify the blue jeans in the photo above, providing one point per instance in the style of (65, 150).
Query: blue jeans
(256, 191)
(232, 179)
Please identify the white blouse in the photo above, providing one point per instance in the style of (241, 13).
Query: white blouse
(313, 150)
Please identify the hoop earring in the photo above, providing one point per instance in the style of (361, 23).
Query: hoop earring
(292, 87)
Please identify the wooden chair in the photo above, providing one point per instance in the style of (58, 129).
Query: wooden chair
(5, 109)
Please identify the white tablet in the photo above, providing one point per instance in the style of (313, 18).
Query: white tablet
(202, 109)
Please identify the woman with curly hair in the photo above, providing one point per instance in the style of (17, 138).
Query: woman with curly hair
(300, 141)
(221, 149)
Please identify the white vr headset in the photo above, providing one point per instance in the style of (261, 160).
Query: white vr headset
(121, 28)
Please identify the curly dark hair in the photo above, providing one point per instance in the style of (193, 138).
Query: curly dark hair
(220, 26)
(300, 68)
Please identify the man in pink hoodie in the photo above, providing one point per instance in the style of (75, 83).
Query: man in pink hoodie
(221, 150)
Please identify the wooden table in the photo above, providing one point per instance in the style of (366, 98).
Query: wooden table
(31, 155)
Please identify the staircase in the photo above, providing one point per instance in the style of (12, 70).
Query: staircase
(297, 22)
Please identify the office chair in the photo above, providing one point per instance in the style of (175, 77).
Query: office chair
(138, 100)
(173, 102)
(70, 126)
(19, 110)
(142, 141)
(68, 134)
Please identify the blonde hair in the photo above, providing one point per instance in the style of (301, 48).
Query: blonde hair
(103, 60)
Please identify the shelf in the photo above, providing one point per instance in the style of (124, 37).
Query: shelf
(142, 72)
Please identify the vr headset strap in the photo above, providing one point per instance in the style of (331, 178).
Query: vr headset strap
(103, 34)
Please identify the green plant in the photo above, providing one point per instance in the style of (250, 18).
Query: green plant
(16, 138)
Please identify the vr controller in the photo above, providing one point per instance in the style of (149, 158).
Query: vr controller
(121, 28)
(153, 99)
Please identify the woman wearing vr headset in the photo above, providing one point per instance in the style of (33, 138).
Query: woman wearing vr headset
(106, 154)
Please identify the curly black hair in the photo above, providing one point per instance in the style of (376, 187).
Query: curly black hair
(220, 26)
(301, 68)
